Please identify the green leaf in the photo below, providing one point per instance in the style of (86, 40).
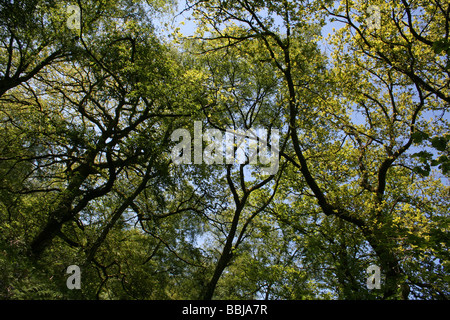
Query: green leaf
(445, 167)
(423, 171)
(439, 143)
(424, 156)
(441, 45)
(435, 162)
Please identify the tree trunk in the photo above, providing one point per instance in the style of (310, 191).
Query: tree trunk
(62, 214)
(226, 255)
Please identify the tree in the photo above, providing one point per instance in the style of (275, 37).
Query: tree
(356, 125)
(358, 178)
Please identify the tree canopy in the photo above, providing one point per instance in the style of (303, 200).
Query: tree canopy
(350, 99)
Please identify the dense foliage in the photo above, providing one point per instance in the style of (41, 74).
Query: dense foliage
(87, 175)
